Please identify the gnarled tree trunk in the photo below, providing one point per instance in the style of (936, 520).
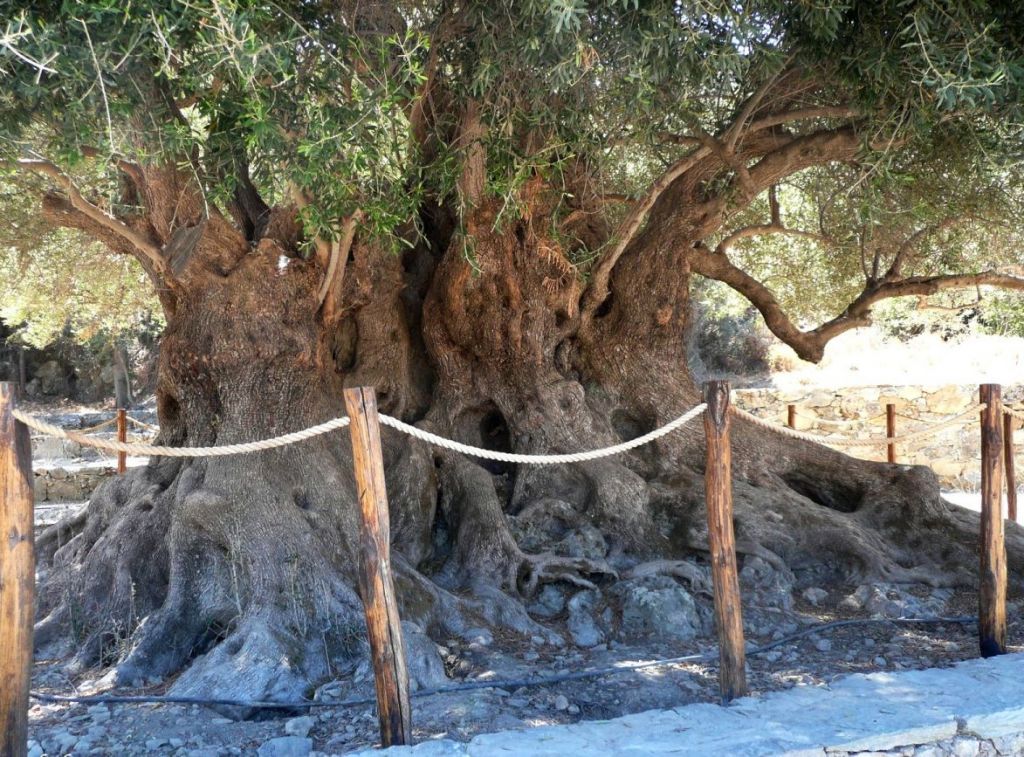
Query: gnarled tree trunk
(237, 572)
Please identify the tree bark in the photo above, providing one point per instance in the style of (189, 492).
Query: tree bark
(188, 567)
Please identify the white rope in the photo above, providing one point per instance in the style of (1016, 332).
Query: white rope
(1018, 414)
(337, 423)
(140, 424)
(840, 422)
(149, 450)
(97, 427)
(572, 457)
(830, 441)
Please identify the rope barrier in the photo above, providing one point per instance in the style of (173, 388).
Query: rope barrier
(510, 684)
(1016, 413)
(140, 424)
(833, 442)
(143, 450)
(337, 423)
(572, 457)
(97, 427)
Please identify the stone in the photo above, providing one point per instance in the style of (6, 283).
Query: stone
(814, 595)
(34, 749)
(823, 645)
(99, 713)
(766, 586)
(561, 703)
(657, 606)
(286, 746)
(583, 541)
(948, 400)
(51, 378)
(549, 602)
(947, 468)
(61, 742)
(481, 636)
(964, 747)
(155, 743)
(299, 726)
(582, 628)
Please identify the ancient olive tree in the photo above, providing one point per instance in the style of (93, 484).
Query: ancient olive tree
(491, 212)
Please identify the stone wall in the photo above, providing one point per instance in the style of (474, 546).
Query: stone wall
(64, 485)
(859, 413)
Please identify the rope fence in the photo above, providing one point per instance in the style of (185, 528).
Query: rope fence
(149, 450)
(144, 450)
(931, 430)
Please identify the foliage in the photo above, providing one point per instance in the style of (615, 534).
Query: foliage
(56, 281)
(728, 336)
(347, 106)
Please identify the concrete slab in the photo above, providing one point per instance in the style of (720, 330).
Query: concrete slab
(981, 699)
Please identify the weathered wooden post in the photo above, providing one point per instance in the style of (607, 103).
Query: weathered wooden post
(992, 592)
(1011, 475)
(890, 431)
(791, 416)
(375, 582)
(732, 675)
(122, 436)
(17, 577)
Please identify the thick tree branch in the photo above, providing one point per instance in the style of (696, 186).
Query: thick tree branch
(802, 114)
(905, 250)
(631, 224)
(470, 142)
(780, 158)
(145, 247)
(810, 345)
(764, 229)
(821, 147)
(335, 275)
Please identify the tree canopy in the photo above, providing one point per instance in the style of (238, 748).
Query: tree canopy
(835, 132)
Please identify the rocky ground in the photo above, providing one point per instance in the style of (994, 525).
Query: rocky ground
(812, 661)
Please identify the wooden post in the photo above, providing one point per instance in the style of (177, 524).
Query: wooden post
(17, 577)
(732, 675)
(890, 431)
(791, 416)
(992, 592)
(1011, 475)
(122, 436)
(375, 583)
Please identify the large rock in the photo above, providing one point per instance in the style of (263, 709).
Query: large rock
(549, 602)
(657, 606)
(51, 379)
(582, 627)
(765, 585)
(895, 601)
(948, 400)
